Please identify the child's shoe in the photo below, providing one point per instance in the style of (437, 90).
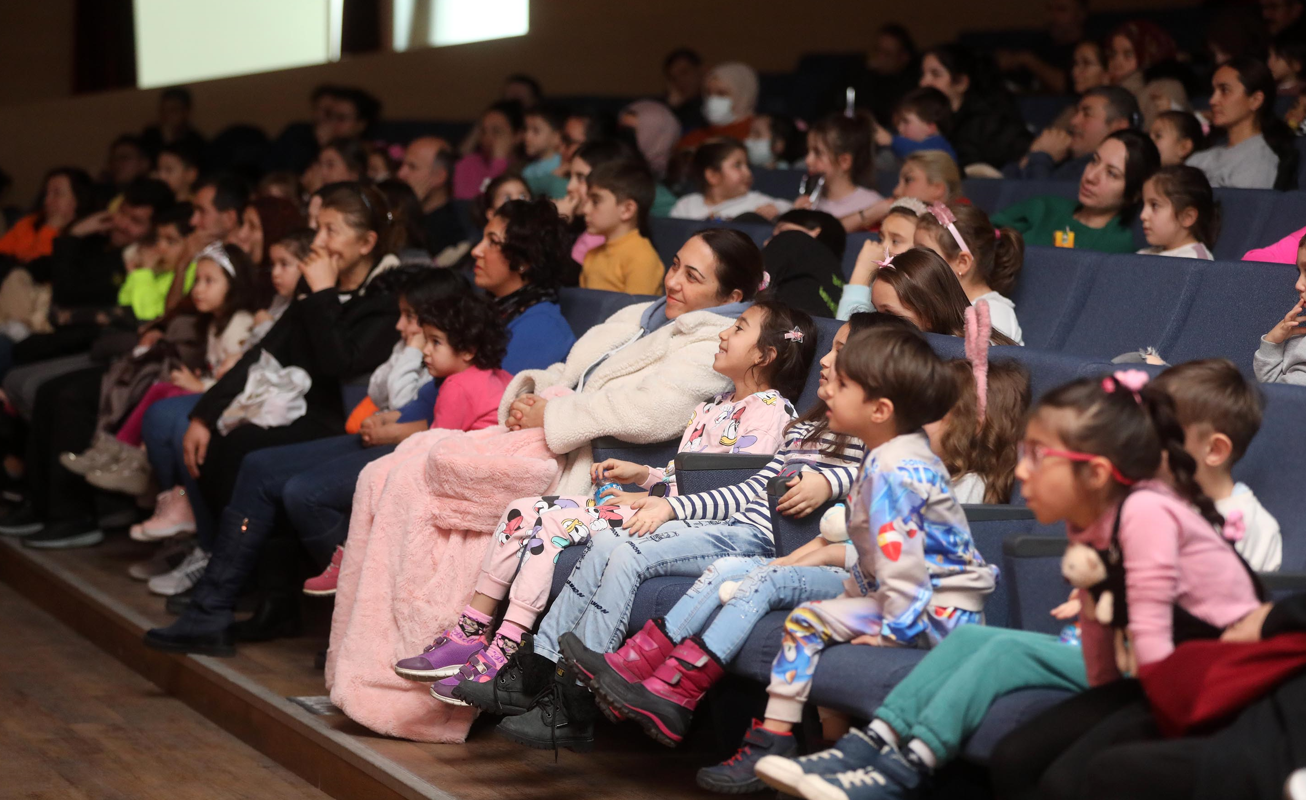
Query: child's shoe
(562, 716)
(104, 450)
(481, 668)
(855, 749)
(443, 657)
(736, 774)
(324, 585)
(633, 662)
(129, 474)
(514, 686)
(165, 559)
(663, 704)
(181, 579)
(172, 516)
(892, 779)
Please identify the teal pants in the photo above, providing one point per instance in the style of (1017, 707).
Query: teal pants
(942, 701)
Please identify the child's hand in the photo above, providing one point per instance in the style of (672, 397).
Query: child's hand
(650, 513)
(873, 641)
(261, 316)
(803, 202)
(882, 137)
(1248, 629)
(768, 211)
(226, 365)
(868, 263)
(1289, 326)
(186, 379)
(614, 469)
(417, 340)
(1069, 609)
(807, 492)
(616, 497)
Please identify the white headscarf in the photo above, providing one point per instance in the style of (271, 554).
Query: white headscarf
(742, 80)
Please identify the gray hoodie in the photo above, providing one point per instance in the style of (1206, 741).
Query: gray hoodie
(1281, 363)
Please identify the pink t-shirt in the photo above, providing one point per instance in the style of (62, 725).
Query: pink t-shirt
(1173, 557)
(469, 400)
(1283, 251)
(584, 243)
(472, 171)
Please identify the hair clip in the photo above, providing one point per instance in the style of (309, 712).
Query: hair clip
(1131, 380)
(997, 234)
(947, 219)
(887, 263)
(766, 281)
(794, 335)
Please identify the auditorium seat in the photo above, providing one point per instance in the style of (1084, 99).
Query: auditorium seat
(585, 308)
(1045, 291)
(669, 234)
(1234, 305)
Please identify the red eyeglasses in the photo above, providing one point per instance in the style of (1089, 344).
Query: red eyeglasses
(1035, 453)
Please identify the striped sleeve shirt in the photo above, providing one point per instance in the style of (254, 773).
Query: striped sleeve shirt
(747, 502)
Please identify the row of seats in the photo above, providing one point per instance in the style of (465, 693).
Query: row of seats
(855, 680)
(1086, 303)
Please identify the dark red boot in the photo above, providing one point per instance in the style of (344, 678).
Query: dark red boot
(663, 704)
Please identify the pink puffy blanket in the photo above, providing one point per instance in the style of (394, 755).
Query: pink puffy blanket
(422, 519)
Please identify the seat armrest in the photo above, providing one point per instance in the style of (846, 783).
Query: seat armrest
(790, 533)
(613, 443)
(994, 513)
(703, 461)
(1034, 547)
(1282, 584)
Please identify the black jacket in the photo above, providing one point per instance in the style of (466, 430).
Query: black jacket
(804, 273)
(988, 129)
(333, 341)
(83, 272)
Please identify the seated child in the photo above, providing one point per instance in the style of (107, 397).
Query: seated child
(897, 235)
(841, 158)
(920, 287)
(1177, 135)
(543, 144)
(817, 224)
(919, 117)
(286, 256)
(1220, 411)
(766, 353)
(774, 142)
(1091, 450)
(224, 295)
(616, 207)
(463, 343)
(725, 186)
(1180, 215)
(986, 260)
(916, 576)
(1281, 357)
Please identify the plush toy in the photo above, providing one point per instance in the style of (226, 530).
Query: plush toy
(834, 524)
(1083, 568)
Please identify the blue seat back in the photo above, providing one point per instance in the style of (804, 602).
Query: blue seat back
(1033, 573)
(826, 329)
(1256, 218)
(988, 536)
(1234, 305)
(585, 308)
(1045, 292)
(779, 183)
(853, 247)
(669, 234)
(1275, 468)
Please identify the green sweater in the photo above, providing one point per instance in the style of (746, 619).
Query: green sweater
(1039, 218)
(145, 291)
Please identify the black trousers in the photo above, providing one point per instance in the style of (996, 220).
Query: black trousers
(1161, 770)
(1048, 757)
(221, 466)
(63, 418)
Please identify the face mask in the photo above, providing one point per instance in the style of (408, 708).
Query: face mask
(759, 151)
(718, 110)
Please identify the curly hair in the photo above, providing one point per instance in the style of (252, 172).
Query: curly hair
(535, 241)
(986, 449)
(471, 323)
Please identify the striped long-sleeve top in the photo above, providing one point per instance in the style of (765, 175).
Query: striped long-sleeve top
(747, 502)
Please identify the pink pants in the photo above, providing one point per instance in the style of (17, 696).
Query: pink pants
(130, 432)
(530, 536)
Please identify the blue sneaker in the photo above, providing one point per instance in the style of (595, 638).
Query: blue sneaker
(855, 749)
(735, 775)
(892, 779)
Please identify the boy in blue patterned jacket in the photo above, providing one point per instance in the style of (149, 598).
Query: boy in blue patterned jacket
(917, 575)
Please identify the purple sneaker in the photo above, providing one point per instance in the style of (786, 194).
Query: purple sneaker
(443, 657)
(480, 668)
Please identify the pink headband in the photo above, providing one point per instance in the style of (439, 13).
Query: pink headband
(979, 329)
(948, 220)
(1131, 380)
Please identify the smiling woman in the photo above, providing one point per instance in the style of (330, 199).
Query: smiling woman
(1110, 194)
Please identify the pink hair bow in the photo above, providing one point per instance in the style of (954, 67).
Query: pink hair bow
(766, 281)
(1132, 380)
(948, 220)
(887, 263)
(794, 335)
(1235, 527)
(979, 329)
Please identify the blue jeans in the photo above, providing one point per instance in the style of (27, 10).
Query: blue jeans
(319, 499)
(761, 589)
(162, 430)
(595, 602)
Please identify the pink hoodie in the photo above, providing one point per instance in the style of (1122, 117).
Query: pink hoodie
(1283, 251)
(1173, 556)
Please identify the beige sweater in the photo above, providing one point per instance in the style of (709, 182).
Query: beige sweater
(644, 392)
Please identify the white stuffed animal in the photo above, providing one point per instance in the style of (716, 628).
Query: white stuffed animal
(1082, 567)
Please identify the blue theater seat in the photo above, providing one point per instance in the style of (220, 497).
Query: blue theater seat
(585, 308)
(1234, 305)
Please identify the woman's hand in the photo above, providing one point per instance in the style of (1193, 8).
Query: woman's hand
(320, 269)
(186, 379)
(807, 492)
(527, 412)
(1289, 326)
(195, 446)
(1248, 629)
(650, 513)
(614, 469)
(868, 263)
(567, 206)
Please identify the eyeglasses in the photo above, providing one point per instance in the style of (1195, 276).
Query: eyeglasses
(1033, 454)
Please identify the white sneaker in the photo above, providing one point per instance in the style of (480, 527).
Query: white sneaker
(1295, 789)
(165, 559)
(181, 579)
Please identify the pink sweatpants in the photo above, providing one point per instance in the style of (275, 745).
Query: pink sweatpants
(130, 432)
(530, 536)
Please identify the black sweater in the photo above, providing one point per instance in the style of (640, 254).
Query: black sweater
(333, 341)
(988, 129)
(83, 272)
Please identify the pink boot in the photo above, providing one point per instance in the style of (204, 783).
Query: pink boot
(324, 585)
(633, 662)
(663, 704)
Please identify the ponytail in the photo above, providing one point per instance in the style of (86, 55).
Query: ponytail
(1008, 259)
(1160, 408)
(999, 253)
